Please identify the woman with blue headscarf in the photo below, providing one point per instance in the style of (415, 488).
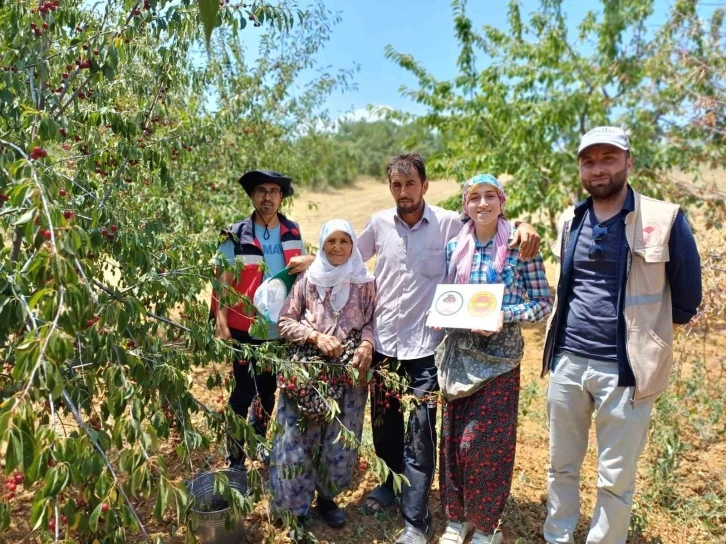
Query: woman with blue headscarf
(479, 370)
(327, 318)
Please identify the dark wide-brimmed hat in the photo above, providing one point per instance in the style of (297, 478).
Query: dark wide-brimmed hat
(254, 178)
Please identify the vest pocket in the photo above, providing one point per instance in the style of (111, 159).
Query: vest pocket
(648, 275)
(653, 254)
(652, 365)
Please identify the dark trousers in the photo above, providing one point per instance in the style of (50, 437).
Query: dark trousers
(412, 453)
(249, 386)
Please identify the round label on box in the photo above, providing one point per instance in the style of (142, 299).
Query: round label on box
(449, 303)
(482, 304)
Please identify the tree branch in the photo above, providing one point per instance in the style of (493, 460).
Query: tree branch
(82, 424)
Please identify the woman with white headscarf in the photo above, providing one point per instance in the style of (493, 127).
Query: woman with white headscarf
(327, 318)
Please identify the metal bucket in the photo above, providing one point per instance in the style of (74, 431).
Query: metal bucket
(212, 528)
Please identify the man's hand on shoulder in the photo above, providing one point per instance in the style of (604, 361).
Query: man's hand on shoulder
(300, 263)
(528, 241)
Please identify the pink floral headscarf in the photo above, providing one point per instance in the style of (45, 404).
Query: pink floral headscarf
(463, 256)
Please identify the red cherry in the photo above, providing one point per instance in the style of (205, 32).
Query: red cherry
(62, 192)
(38, 153)
(104, 507)
(104, 232)
(85, 47)
(11, 487)
(64, 519)
(4, 197)
(46, 26)
(51, 525)
(69, 67)
(19, 478)
(46, 234)
(68, 214)
(114, 228)
(64, 75)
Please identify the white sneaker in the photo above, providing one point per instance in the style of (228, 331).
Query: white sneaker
(481, 538)
(456, 532)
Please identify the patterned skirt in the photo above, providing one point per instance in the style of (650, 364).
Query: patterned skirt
(479, 439)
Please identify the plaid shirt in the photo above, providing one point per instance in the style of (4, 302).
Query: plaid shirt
(526, 291)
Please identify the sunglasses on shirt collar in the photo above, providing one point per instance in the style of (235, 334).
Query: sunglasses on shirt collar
(596, 251)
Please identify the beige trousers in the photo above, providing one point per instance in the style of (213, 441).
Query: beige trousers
(577, 388)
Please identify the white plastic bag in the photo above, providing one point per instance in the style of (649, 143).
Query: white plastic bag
(269, 298)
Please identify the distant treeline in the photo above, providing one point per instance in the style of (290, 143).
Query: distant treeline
(359, 148)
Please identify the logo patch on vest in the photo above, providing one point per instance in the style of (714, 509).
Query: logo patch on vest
(650, 235)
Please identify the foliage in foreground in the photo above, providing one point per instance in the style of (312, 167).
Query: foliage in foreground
(121, 139)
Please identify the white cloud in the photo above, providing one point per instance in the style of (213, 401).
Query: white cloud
(370, 114)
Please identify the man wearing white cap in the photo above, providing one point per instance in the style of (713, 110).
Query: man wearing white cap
(629, 271)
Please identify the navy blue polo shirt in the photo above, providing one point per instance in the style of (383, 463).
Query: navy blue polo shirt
(590, 317)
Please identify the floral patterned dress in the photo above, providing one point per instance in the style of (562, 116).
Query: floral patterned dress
(307, 458)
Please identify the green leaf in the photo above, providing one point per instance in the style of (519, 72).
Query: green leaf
(38, 295)
(5, 418)
(162, 499)
(208, 10)
(56, 480)
(95, 515)
(39, 513)
(27, 217)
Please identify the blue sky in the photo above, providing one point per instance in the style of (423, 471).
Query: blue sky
(423, 28)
